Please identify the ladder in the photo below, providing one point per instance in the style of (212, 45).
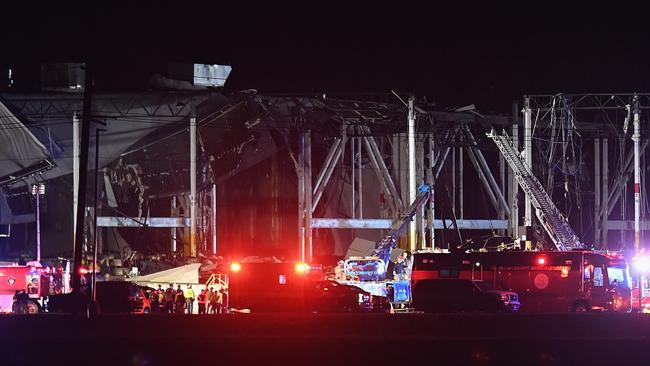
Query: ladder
(555, 224)
(384, 246)
(217, 279)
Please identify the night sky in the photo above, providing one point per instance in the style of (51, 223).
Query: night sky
(454, 56)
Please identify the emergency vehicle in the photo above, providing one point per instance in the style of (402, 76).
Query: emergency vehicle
(38, 282)
(269, 286)
(641, 282)
(546, 281)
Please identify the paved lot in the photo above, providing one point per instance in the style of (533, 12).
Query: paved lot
(291, 339)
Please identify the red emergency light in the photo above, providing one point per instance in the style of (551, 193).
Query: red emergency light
(541, 261)
(302, 267)
(235, 267)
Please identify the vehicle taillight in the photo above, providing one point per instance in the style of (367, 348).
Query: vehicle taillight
(302, 267)
(541, 261)
(235, 267)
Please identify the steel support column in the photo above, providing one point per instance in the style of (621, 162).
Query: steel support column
(503, 205)
(174, 211)
(214, 219)
(308, 197)
(193, 200)
(301, 196)
(430, 181)
(605, 193)
(380, 175)
(374, 149)
(461, 183)
(513, 190)
(353, 180)
(331, 160)
(360, 179)
(636, 137)
(481, 176)
(621, 181)
(75, 170)
(528, 149)
(597, 196)
(412, 188)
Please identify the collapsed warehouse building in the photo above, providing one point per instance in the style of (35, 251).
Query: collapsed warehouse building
(285, 175)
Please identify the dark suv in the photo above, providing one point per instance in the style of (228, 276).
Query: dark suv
(455, 295)
(112, 297)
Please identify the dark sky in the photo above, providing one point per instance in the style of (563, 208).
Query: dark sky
(455, 56)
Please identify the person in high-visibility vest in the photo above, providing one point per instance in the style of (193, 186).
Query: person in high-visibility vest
(189, 299)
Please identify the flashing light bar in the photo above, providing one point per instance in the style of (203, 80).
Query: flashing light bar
(302, 267)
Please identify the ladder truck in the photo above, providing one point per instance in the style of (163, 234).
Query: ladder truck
(555, 224)
(370, 273)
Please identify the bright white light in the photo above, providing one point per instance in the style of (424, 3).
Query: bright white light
(642, 263)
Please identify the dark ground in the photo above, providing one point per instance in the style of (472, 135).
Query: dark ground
(289, 339)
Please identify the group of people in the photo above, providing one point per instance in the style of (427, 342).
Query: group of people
(213, 301)
(177, 301)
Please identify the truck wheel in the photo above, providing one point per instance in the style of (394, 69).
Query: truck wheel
(33, 307)
(580, 307)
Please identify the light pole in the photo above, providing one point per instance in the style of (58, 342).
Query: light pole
(38, 190)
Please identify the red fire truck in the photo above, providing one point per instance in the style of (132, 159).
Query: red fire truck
(37, 282)
(545, 281)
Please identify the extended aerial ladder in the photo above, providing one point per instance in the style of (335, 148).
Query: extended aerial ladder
(384, 246)
(555, 224)
(374, 267)
(369, 273)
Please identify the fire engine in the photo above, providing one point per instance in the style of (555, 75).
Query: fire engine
(37, 282)
(546, 281)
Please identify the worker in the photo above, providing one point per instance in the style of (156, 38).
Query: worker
(169, 298)
(153, 297)
(201, 299)
(214, 302)
(180, 301)
(208, 300)
(189, 299)
(399, 271)
(21, 298)
(219, 301)
(224, 301)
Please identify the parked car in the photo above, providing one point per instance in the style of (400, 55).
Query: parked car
(461, 295)
(112, 297)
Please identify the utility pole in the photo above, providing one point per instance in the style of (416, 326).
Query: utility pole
(636, 137)
(412, 184)
(83, 173)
